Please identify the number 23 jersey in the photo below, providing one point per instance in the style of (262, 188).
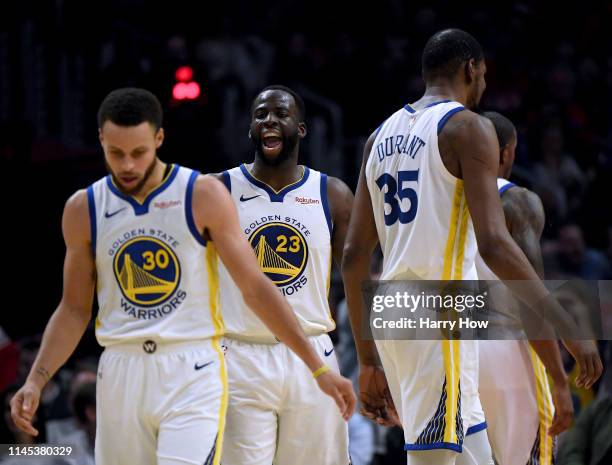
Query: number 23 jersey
(290, 233)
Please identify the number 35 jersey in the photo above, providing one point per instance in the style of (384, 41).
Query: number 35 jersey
(157, 277)
(290, 233)
(421, 215)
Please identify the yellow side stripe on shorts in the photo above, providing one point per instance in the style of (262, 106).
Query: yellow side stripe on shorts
(455, 245)
(545, 409)
(224, 401)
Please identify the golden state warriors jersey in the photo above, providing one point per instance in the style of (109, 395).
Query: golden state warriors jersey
(157, 277)
(421, 214)
(290, 232)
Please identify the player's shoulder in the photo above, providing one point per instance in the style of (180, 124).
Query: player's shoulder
(78, 204)
(207, 185)
(336, 185)
(523, 199)
(466, 123)
(76, 218)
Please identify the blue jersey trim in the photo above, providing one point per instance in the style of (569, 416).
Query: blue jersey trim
(189, 209)
(225, 177)
(505, 187)
(275, 196)
(476, 428)
(434, 445)
(143, 208)
(409, 109)
(447, 116)
(325, 202)
(92, 218)
(437, 103)
(380, 127)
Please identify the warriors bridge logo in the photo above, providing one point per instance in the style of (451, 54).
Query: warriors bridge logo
(282, 254)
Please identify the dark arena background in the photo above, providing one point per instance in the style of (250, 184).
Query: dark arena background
(549, 71)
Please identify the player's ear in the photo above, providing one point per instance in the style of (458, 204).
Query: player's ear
(250, 134)
(302, 130)
(470, 70)
(159, 137)
(100, 136)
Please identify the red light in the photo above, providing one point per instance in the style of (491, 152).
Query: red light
(184, 74)
(186, 91)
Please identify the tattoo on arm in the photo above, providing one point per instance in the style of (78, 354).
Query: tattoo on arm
(525, 220)
(44, 373)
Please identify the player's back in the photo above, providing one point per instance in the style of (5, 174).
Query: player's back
(420, 210)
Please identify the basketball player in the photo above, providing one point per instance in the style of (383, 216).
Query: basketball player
(149, 236)
(422, 169)
(522, 386)
(295, 218)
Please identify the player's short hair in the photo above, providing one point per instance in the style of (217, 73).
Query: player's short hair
(130, 106)
(446, 51)
(504, 128)
(299, 102)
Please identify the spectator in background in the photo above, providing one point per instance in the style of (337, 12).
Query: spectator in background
(82, 439)
(557, 178)
(60, 430)
(589, 442)
(571, 258)
(9, 360)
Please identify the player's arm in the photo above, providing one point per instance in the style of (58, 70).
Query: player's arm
(341, 203)
(215, 212)
(524, 215)
(472, 140)
(361, 239)
(70, 319)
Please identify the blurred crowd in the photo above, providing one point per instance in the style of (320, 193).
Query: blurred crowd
(553, 79)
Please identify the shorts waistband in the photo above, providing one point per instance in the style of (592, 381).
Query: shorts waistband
(152, 346)
(263, 339)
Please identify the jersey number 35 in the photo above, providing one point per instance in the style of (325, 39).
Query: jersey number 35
(394, 197)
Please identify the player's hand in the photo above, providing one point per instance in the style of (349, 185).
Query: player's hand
(23, 407)
(587, 357)
(341, 390)
(375, 397)
(564, 409)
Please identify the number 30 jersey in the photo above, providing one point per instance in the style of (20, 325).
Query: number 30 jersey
(290, 233)
(421, 215)
(157, 277)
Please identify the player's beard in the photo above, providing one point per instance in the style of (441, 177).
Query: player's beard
(138, 187)
(289, 143)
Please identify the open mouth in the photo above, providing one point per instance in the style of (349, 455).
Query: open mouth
(272, 144)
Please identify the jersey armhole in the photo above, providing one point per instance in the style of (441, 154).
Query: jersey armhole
(325, 202)
(189, 209)
(225, 177)
(92, 218)
(438, 158)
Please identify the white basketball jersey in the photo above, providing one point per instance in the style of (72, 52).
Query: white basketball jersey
(290, 232)
(157, 277)
(421, 214)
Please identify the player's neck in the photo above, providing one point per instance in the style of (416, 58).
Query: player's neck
(443, 91)
(279, 176)
(156, 178)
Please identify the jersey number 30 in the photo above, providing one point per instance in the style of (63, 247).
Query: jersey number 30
(394, 197)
